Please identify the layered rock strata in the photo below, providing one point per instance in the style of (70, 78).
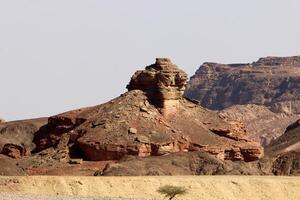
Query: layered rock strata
(271, 81)
(163, 83)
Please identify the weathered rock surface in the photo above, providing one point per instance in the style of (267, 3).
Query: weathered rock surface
(263, 124)
(15, 151)
(271, 81)
(151, 119)
(190, 163)
(283, 154)
(16, 138)
(163, 83)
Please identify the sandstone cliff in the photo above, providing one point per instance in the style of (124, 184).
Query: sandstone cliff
(271, 81)
(270, 86)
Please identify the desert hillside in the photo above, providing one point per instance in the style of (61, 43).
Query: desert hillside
(134, 133)
(153, 129)
(264, 95)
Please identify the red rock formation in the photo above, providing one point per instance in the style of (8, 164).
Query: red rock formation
(163, 82)
(151, 119)
(15, 151)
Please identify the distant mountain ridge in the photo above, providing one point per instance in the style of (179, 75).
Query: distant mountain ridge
(271, 81)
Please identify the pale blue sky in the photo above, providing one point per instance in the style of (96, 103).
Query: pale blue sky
(57, 55)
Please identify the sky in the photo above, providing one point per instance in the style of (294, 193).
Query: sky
(59, 55)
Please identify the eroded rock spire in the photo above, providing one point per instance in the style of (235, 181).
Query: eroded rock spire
(163, 82)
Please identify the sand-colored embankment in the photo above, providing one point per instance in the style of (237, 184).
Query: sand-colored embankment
(200, 187)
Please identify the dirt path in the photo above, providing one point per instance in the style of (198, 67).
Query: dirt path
(200, 187)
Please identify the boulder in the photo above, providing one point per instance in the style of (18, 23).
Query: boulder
(15, 151)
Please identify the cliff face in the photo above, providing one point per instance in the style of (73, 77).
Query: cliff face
(271, 81)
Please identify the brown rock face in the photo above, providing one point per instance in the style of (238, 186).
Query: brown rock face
(271, 81)
(15, 151)
(163, 82)
(282, 155)
(182, 163)
(264, 95)
(263, 124)
(17, 136)
(143, 123)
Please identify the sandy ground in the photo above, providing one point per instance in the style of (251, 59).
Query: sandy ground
(199, 187)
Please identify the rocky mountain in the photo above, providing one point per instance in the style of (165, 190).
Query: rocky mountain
(152, 121)
(153, 130)
(263, 124)
(271, 81)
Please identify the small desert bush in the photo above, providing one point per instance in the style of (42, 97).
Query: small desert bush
(170, 191)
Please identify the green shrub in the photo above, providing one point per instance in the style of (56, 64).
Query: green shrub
(171, 191)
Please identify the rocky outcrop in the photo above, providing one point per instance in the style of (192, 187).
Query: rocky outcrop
(15, 151)
(163, 82)
(271, 81)
(282, 155)
(263, 124)
(190, 163)
(151, 119)
(287, 164)
(16, 136)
